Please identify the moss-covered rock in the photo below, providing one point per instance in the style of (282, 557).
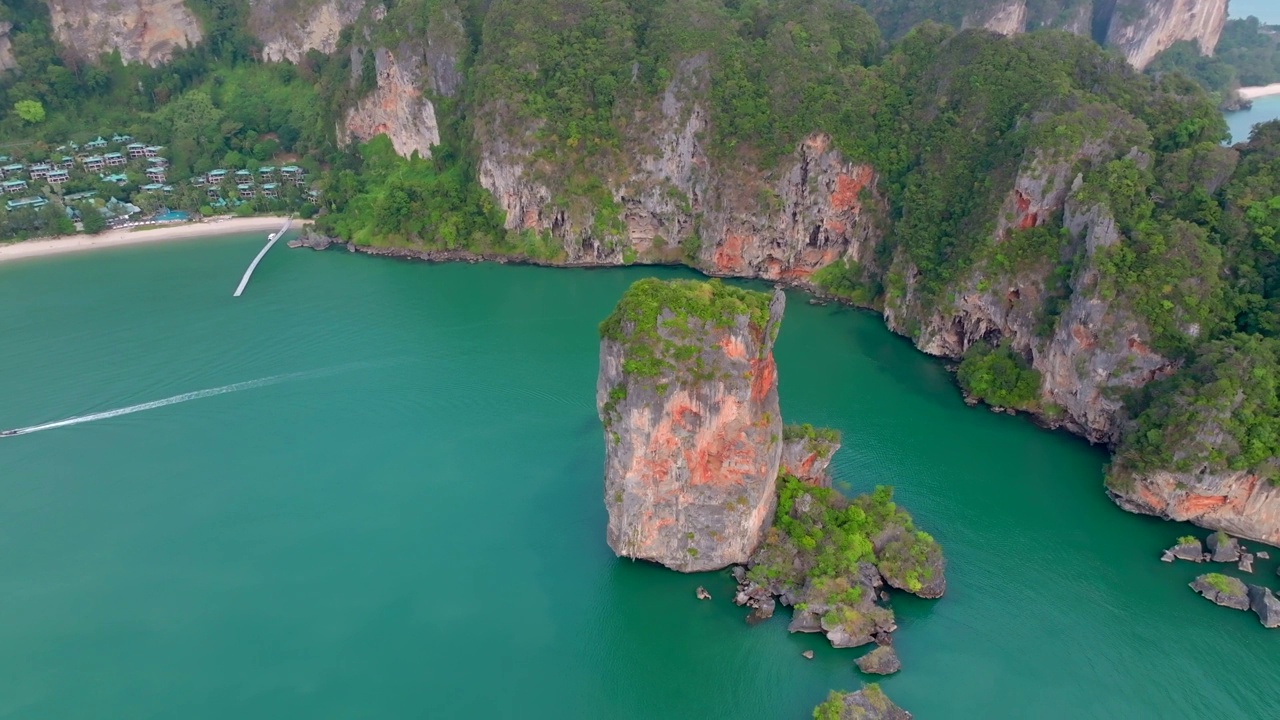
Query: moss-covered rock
(869, 703)
(881, 661)
(829, 558)
(1222, 590)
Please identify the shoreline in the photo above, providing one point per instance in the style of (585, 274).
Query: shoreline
(1260, 91)
(124, 237)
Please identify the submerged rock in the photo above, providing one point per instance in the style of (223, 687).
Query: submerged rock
(1223, 547)
(702, 593)
(1265, 603)
(1222, 590)
(869, 703)
(807, 654)
(1262, 555)
(1188, 548)
(688, 396)
(881, 661)
(1246, 563)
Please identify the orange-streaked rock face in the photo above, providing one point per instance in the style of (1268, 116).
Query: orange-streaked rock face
(1239, 503)
(692, 458)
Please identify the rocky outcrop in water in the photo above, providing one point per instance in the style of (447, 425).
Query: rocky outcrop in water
(881, 661)
(1223, 547)
(144, 31)
(869, 703)
(287, 31)
(1265, 603)
(806, 563)
(1188, 548)
(688, 396)
(1222, 590)
(807, 452)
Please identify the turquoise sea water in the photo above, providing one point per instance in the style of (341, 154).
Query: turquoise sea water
(403, 519)
(1240, 123)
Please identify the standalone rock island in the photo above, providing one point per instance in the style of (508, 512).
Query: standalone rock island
(1188, 548)
(881, 661)
(869, 703)
(1224, 547)
(688, 395)
(1223, 590)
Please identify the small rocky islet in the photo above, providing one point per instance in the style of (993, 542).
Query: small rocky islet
(1222, 589)
(701, 474)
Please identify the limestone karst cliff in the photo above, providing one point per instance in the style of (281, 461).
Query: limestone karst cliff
(688, 396)
(6, 47)
(144, 31)
(396, 108)
(1138, 29)
(287, 29)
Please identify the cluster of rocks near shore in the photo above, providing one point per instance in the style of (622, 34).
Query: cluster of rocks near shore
(701, 475)
(1222, 589)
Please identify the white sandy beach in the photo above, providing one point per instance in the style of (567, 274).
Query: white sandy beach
(143, 235)
(1251, 93)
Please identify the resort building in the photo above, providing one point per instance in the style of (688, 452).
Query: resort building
(246, 191)
(136, 150)
(244, 176)
(198, 181)
(67, 162)
(292, 172)
(121, 139)
(77, 197)
(266, 173)
(57, 177)
(152, 150)
(152, 187)
(39, 171)
(30, 203)
(97, 144)
(115, 159)
(13, 186)
(157, 161)
(213, 193)
(94, 163)
(216, 176)
(270, 190)
(11, 169)
(155, 174)
(118, 178)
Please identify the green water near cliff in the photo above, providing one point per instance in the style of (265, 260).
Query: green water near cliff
(413, 526)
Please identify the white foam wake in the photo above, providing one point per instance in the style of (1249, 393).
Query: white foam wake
(185, 397)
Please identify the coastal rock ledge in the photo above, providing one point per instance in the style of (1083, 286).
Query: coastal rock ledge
(688, 395)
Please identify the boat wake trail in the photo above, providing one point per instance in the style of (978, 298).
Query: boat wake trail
(185, 397)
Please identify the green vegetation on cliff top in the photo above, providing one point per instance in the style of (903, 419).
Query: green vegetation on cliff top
(662, 324)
